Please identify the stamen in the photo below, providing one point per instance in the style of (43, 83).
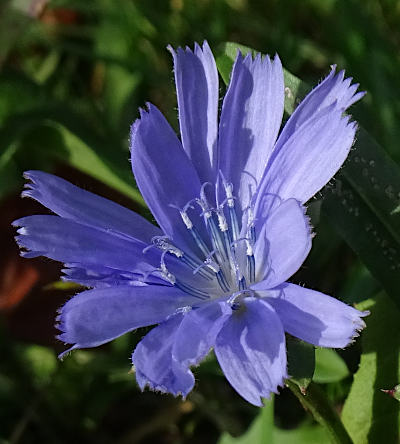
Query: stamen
(164, 271)
(251, 263)
(192, 229)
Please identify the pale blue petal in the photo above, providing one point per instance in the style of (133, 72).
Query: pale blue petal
(154, 364)
(315, 317)
(310, 157)
(98, 276)
(334, 89)
(164, 173)
(196, 79)
(95, 317)
(72, 202)
(251, 351)
(67, 241)
(250, 120)
(198, 330)
(283, 243)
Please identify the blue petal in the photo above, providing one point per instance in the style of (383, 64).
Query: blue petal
(334, 89)
(283, 243)
(198, 331)
(310, 157)
(98, 276)
(67, 241)
(155, 365)
(252, 352)
(86, 208)
(250, 120)
(196, 79)
(315, 317)
(164, 173)
(95, 317)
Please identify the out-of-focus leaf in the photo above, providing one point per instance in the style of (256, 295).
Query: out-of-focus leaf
(301, 362)
(18, 94)
(305, 434)
(260, 431)
(329, 366)
(41, 362)
(369, 415)
(364, 204)
(81, 146)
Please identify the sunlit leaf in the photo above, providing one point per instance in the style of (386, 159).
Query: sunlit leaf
(329, 366)
(369, 415)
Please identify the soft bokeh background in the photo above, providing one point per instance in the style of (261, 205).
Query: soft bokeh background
(72, 76)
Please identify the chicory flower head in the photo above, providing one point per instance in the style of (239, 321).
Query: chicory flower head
(229, 201)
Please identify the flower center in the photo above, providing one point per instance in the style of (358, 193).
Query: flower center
(225, 248)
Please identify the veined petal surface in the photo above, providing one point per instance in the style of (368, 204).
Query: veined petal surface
(196, 79)
(315, 317)
(251, 350)
(67, 241)
(164, 173)
(98, 276)
(310, 157)
(155, 365)
(198, 330)
(86, 208)
(282, 245)
(250, 120)
(94, 317)
(335, 90)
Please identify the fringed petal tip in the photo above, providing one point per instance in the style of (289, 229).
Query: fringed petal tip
(205, 47)
(32, 188)
(144, 383)
(341, 87)
(358, 325)
(65, 353)
(144, 115)
(257, 58)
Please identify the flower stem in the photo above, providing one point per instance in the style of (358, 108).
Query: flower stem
(315, 401)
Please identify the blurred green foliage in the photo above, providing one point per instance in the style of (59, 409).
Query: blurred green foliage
(72, 77)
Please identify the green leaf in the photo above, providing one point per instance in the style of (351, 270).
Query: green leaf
(369, 415)
(305, 434)
(301, 361)
(41, 362)
(73, 141)
(259, 432)
(364, 203)
(329, 366)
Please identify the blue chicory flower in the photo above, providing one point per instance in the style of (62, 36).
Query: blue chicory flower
(228, 198)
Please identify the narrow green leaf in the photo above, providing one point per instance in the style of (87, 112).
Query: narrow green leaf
(364, 203)
(369, 415)
(329, 366)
